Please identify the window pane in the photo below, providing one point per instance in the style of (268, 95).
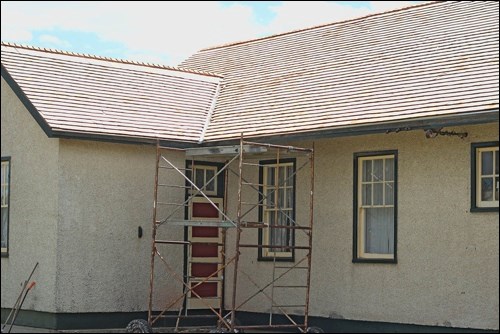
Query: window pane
(279, 236)
(389, 193)
(367, 194)
(281, 198)
(289, 176)
(269, 198)
(496, 162)
(378, 194)
(378, 170)
(199, 177)
(487, 189)
(281, 176)
(496, 188)
(367, 170)
(5, 224)
(272, 231)
(211, 185)
(379, 229)
(389, 169)
(289, 198)
(487, 163)
(270, 176)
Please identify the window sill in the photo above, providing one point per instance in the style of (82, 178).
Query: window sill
(277, 259)
(390, 261)
(484, 209)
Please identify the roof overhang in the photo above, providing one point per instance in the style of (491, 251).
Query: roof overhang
(482, 117)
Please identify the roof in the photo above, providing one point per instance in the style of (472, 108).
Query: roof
(418, 65)
(76, 93)
(438, 59)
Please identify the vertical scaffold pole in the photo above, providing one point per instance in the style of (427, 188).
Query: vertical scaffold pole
(153, 236)
(238, 236)
(311, 221)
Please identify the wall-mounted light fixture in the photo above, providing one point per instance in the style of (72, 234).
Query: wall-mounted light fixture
(433, 133)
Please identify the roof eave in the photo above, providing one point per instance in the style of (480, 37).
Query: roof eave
(26, 102)
(124, 139)
(482, 117)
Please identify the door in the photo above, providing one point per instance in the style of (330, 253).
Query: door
(204, 252)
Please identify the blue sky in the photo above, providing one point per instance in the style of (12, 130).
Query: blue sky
(166, 32)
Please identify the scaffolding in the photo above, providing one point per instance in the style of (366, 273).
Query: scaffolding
(241, 162)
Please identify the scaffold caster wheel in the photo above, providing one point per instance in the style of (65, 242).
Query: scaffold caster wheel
(225, 330)
(314, 330)
(139, 326)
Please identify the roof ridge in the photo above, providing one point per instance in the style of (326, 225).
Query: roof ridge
(110, 59)
(320, 26)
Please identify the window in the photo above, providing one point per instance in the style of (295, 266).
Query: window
(5, 205)
(375, 209)
(484, 167)
(203, 174)
(278, 209)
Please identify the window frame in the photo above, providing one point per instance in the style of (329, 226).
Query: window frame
(475, 164)
(263, 253)
(206, 168)
(218, 182)
(5, 251)
(357, 167)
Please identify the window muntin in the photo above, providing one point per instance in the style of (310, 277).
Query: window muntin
(486, 178)
(278, 208)
(203, 174)
(5, 190)
(376, 207)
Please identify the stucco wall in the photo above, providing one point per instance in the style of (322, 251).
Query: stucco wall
(447, 270)
(106, 193)
(33, 206)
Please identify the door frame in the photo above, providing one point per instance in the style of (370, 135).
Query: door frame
(220, 195)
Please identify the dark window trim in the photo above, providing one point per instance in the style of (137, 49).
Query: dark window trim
(473, 176)
(355, 258)
(263, 163)
(6, 254)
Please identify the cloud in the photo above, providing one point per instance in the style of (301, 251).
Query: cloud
(54, 40)
(383, 6)
(174, 28)
(291, 15)
(161, 30)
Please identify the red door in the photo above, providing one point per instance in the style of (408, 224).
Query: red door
(204, 256)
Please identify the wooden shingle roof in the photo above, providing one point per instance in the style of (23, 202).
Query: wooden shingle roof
(433, 60)
(415, 66)
(85, 94)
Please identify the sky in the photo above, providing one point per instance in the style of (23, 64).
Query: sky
(166, 32)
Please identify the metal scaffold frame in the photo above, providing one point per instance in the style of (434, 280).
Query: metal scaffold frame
(242, 154)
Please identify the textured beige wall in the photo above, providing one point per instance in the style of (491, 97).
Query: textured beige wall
(447, 271)
(106, 193)
(33, 206)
